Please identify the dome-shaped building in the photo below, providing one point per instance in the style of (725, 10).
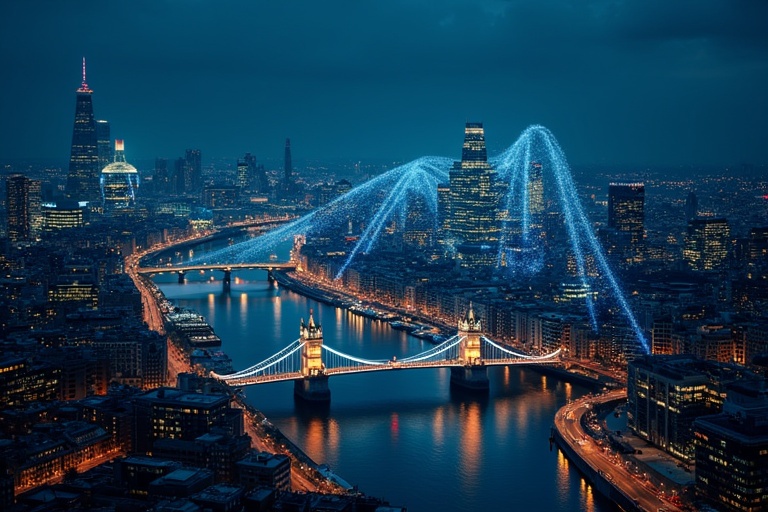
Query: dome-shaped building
(119, 181)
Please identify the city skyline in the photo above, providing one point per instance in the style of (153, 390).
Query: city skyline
(633, 85)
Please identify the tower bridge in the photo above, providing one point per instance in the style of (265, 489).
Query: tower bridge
(309, 362)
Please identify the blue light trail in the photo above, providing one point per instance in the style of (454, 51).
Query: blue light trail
(386, 199)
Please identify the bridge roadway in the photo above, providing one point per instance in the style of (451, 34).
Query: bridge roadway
(636, 493)
(218, 266)
(389, 365)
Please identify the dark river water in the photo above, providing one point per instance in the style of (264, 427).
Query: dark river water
(404, 436)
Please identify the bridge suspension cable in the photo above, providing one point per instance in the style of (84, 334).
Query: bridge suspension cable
(274, 364)
(353, 358)
(448, 344)
(518, 354)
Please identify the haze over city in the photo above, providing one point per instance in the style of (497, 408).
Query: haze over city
(633, 83)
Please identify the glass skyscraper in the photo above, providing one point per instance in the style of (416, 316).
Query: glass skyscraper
(23, 204)
(707, 243)
(474, 225)
(84, 171)
(626, 215)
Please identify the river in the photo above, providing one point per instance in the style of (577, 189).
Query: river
(404, 436)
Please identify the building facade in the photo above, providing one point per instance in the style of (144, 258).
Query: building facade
(474, 201)
(707, 243)
(83, 177)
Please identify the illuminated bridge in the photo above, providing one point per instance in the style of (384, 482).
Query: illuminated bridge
(310, 363)
(227, 268)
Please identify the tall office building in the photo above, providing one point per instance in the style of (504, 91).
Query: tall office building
(119, 182)
(251, 176)
(162, 182)
(443, 212)
(83, 178)
(193, 180)
(626, 216)
(528, 220)
(732, 451)
(243, 178)
(474, 202)
(707, 243)
(24, 211)
(691, 206)
(103, 143)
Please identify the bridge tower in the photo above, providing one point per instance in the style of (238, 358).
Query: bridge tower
(227, 279)
(313, 386)
(473, 374)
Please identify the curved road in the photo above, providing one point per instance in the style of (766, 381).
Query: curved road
(568, 423)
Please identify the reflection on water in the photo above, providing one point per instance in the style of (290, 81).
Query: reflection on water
(402, 435)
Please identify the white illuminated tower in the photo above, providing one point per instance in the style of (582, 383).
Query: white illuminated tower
(119, 182)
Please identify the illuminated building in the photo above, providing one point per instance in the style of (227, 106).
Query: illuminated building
(626, 214)
(103, 143)
(418, 229)
(174, 414)
(23, 382)
(193, 162)
(83, 177)
(265, 469)
(188, 174)
(732, 451)
(217, 197)
(443, 212)
(63, 214)
(23, 205)
(474, 202)
(665, 395)
(119, 182)
(245, 172)
(707, 243)
(75, 289)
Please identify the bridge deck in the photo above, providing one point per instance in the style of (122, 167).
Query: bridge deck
(392, 365)
(218, 266)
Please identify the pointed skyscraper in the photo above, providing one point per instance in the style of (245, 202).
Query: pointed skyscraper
(84, 172)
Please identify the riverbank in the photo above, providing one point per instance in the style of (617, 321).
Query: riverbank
(305, 475)
(611, 473)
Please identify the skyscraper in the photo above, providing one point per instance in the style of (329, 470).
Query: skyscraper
(163, 184)
(707, 243)
(691, 206)
(103, 143)
(474, 202)
(626, 215)
(194, 171)
(83, 178)
(23, 203)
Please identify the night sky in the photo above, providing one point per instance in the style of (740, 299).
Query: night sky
(652, 82)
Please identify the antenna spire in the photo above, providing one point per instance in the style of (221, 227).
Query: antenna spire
(84, 85)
